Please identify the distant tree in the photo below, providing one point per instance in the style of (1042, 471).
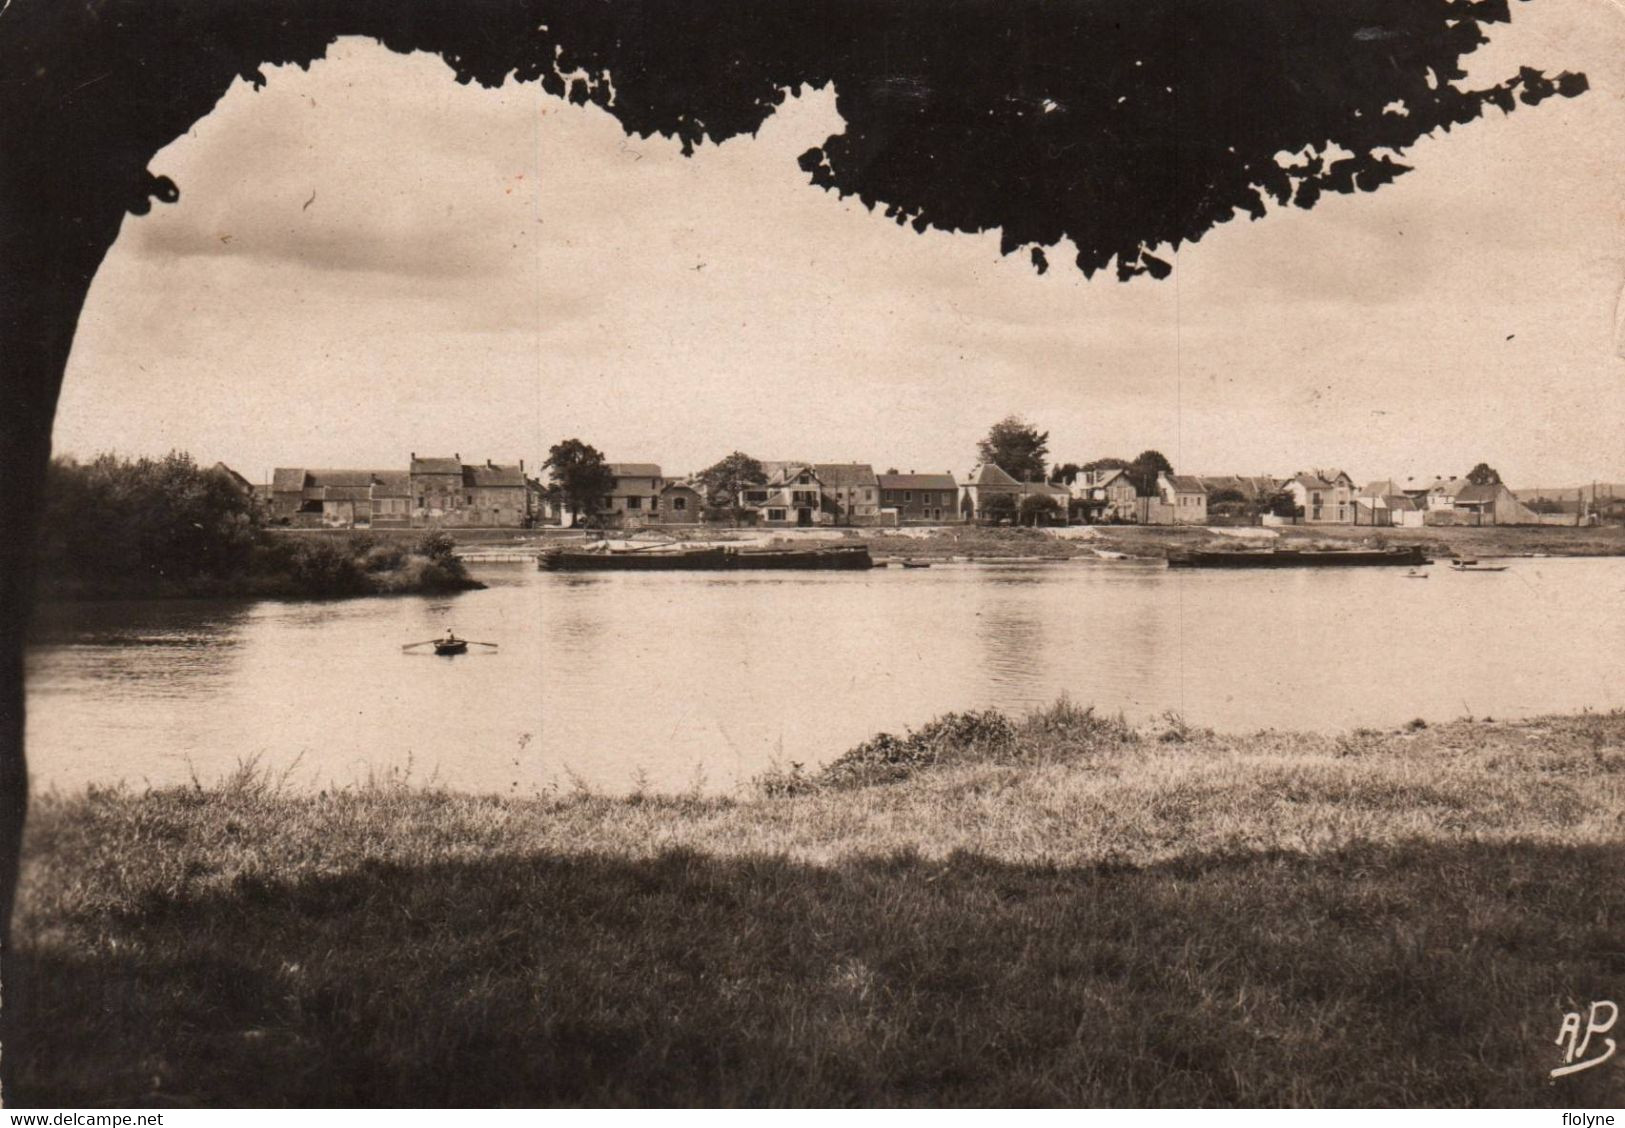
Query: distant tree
(1106, 464)
(1546, 505)
(1017, 448)
(999, 508)
(1281, 503)
(728, 479)
(1038, 509)
(1144, 469)
(581, 475)
(1065, 474)
(1484, 475)
(891, 470)
(1226, 502)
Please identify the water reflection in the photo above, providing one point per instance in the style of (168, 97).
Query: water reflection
(599, 677)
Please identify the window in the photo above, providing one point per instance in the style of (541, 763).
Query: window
(775, 514)
(634, 503)
(908, 495)
(805, 497)
(679, 503)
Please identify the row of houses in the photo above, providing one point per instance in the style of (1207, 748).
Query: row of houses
(435, 491)
(1317, 497)
(429, 493)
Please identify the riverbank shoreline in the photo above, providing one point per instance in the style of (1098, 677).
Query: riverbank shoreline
(1143, 542)
(1057, 908)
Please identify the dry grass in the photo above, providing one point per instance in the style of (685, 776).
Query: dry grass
(1053, 909)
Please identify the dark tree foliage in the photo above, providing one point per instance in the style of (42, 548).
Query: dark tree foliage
(1065, 473)
(730, 476)
(580, 473)
(1484, 475)
(999, 508)
(149, 519)
(1106, 464)
(1039, 509)
(1144, 469)
(1016, 447)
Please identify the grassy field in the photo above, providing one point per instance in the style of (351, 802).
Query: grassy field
(1055, 909)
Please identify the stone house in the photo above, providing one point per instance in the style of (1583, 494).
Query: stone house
(1323, 497)
(1181, 500)
(919, 497)
(792, 496)
(1113, 493)
(634, 498)
(851, 489)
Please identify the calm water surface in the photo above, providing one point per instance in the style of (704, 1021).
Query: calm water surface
(676, 678)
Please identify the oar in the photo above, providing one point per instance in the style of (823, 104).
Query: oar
(471, 642)
(425, 642)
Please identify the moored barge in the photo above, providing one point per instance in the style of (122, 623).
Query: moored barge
(1410, 557)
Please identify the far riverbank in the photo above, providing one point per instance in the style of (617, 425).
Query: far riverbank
(1140, 541)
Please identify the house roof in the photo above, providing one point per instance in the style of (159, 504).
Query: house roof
(670, 486)
(437, 465)
(1249, 487)
(287, 479)
(844, 475)
(222, 468)
(916, 481)
(634, 469)
(784, 472)
(1185, 483)
(391, 483)
(489, 474)
(347, 493)
(1383, 488)
(329, 479)
(1472, 492)
(989, 474)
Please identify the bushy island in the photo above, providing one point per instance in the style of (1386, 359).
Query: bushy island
(164, 528)
(1057, 908)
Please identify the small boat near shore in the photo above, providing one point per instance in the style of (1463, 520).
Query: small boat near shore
(1466, 565)
(1411, 557)
(665, 558)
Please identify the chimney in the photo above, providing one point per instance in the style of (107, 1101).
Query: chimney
(521, 465)
(489, 465)
(457, 456)
(414, 456)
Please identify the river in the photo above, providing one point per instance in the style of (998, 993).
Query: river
(673, 680)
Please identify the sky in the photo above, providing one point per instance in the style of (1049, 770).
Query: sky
(369, 260)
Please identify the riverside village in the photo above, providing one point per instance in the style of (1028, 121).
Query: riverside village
(867, 555)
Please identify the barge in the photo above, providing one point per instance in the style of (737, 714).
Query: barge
(1411, 557)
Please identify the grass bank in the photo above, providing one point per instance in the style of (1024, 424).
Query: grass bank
(1054, 909)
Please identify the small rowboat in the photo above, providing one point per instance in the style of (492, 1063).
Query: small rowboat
(448, 645)
(1475, 566)
(916, 564)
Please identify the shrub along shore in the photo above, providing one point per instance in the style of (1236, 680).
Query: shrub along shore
(166, 528)
(1050, 909)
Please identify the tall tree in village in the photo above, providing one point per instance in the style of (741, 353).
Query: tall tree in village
(1065, 473)
(1484, 475)
(1144, 469)
(1016, 447)
(580, 473)
(729, 478)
